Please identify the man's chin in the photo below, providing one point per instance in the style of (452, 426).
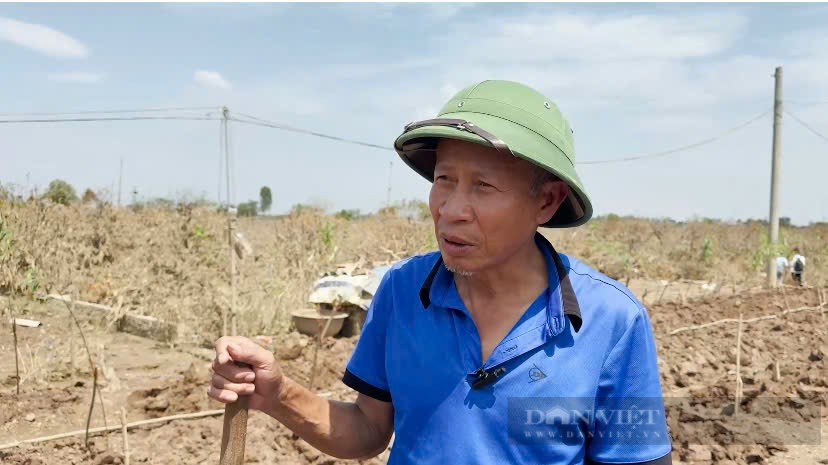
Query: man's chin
(457, 268)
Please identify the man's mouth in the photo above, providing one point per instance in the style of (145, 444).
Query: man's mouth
(456, 241)
(455, 246)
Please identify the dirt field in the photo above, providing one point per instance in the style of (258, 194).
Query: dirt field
(172, 264)
(152, 380)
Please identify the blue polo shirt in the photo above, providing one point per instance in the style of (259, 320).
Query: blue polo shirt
(575, 380)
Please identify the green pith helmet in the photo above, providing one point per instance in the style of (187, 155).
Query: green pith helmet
(514, 119)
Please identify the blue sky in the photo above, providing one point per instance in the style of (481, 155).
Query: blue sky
(632, 79)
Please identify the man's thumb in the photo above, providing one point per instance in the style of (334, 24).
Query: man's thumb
(250, 355)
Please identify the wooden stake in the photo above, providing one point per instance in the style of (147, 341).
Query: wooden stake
(72, 355)
(321, 336)
(234, 433)
(662, 292)
(233, 316)
(91, 404)
(778, 375)
(749, 320)
(16, 351)
(738, 367)
(785, 298)
(125, 436)
(101, 429)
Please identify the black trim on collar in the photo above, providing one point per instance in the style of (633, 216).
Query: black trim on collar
(571, 308)
(425, 299)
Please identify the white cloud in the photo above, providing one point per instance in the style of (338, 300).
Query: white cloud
(41, 39)
(211, 79)
(81, 77)
(579, 37)
(444, 11)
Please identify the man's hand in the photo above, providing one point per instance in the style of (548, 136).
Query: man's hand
(243, 368)
(349, 430)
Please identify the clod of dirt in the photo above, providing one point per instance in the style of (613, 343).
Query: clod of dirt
(698, 453)
(291, 347)
(30, 417)
(816, 356)
(107, 459)
(690, 368)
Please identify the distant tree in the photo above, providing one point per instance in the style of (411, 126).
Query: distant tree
(89, 196)
(348, 214)
(248, 208)
(61, 192)
(304, 208)
(785, 221)
(265, 198)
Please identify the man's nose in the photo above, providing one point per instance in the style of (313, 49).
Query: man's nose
(457, 207)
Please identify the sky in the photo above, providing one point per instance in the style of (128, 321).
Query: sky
(632, 79)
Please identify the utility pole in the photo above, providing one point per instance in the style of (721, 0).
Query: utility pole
(120, 179)
(776, 166)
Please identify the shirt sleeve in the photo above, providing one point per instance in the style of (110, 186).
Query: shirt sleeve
(365, 371)
(628, 422)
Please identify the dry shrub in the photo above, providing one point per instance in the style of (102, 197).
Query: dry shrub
(172, 263)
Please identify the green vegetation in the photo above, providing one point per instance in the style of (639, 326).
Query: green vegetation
(61, 192)
(248, 208)
(265, 199)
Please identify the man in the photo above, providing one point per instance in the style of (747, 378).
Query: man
(797, 267)
(781, 266)
(496, 349)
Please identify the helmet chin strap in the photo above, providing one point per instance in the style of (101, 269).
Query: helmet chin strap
(463, 125)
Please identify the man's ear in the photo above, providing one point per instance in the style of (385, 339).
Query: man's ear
(551, 196)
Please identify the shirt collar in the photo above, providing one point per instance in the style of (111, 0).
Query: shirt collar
(562, 299)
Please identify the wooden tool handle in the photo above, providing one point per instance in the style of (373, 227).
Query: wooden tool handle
(234, 432)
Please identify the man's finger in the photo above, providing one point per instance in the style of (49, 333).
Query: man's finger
(234, 372)
(222, 395)
(244, 389)
(247, 351)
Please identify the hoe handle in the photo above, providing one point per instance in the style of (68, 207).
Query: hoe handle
(234, 432)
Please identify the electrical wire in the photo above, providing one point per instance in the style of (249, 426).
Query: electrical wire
(103, 112)
(677, 149)
(263, 122)
(256, 121)
(806, 104)
(807, 126)
(107, 118)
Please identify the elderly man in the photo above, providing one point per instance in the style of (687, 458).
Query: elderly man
(496, 349)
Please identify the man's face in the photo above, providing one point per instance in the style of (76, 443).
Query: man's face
(482, 205)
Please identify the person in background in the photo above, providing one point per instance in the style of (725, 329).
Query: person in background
(781, 266)
(797, 267)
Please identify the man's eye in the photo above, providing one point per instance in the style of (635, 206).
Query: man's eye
(484, 184)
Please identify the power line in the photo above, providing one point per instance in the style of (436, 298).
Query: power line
(262, 122)
(103, 112)
(107, 118)
(807, 104)
(256, 121)
(678, 149)
(807, 126)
